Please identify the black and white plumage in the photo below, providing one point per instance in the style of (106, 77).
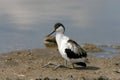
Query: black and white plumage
(68, 48)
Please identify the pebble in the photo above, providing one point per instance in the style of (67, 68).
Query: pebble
(117, 71)
(103, 78)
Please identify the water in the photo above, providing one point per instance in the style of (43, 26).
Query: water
(104, 54)
(24, 23)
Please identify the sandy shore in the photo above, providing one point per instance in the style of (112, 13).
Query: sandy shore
(27, 65)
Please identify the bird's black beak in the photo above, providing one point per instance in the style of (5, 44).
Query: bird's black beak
(51, 33)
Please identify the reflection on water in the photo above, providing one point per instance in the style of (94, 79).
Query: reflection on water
(24, 23)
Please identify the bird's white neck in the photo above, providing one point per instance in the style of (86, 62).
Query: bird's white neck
(58, 38)
(61, 38)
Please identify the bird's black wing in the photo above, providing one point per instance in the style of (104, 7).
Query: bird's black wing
(74, 50)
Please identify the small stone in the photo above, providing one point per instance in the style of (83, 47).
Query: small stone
(46, 78)
(97, 72)
(117, 71)
(39, 79)
(117, 64)
(103, 78)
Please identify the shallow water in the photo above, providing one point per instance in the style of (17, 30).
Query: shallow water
(104, 54)
(24, 23)
(108, 52)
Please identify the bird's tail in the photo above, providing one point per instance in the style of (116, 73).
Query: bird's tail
(82, 62)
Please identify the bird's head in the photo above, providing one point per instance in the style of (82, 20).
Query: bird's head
(58, 28)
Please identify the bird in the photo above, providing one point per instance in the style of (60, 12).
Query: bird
(70, 50)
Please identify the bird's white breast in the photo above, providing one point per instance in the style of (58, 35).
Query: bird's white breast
(62, 45)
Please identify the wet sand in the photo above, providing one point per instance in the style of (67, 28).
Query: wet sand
(28, 65)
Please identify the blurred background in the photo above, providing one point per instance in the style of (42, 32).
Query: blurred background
(25, 23)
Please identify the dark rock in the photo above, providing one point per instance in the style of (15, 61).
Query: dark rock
(103, 78)
(47, 78)
(117, 71)
(38, 79)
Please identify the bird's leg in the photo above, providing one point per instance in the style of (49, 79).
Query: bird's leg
(72, 66)
(54, 64)
(50, 63)
(67, 66)
(65, 63)
(58, 66)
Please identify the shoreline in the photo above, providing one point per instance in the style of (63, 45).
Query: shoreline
(27, 65)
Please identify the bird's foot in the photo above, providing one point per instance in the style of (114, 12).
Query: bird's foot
(58, 66)
(49, 63)
(53, 64)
